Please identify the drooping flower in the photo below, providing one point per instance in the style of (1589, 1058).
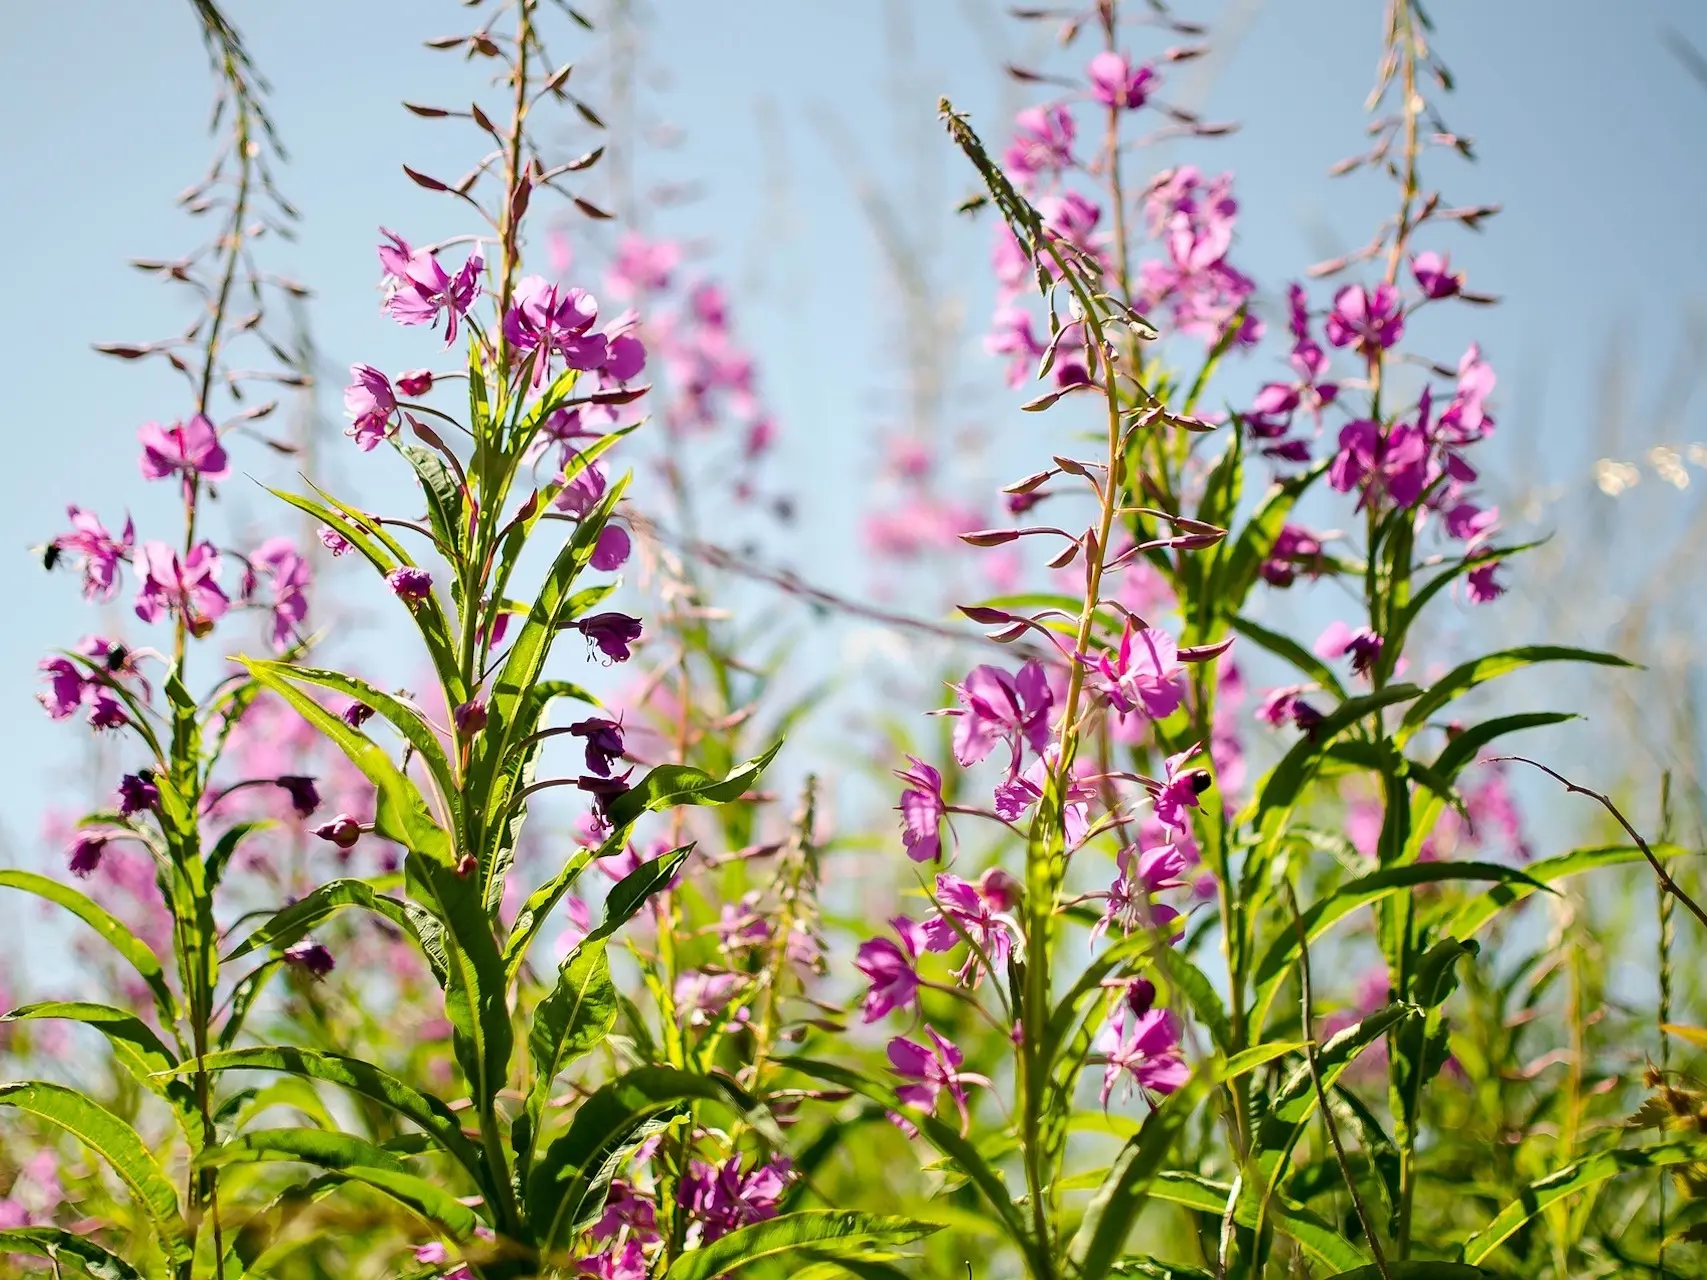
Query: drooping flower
(64, 692)
(287, 574)
(932, 1068)
(1116, 83)
(722, 1198)
(137, 793)
(603, 741)
(311, 957)
(304, 795)
(922, 811)
(342, 831)
(1339, 639)
(892, 969)
(1482, 583)
(356, 714)
(1434, 275)
(1000, 707)
(1140, 1043)
(100, 552)
(333, 541)
(410, 584)
(1286, 705)
(582, 491)
(1372, 320)
(189, 588)
(370, 402)
(106, 711)
(425, 290)
(190, 449)
(1144, 672)
(611, 633)
(86, 850)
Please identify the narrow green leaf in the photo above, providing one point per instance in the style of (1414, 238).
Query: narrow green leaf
(1468, 743)
(64, 1248)
(1313, 1235)
(135, 1044)
(296, 921)
(817, 1230)
(670, 785)
(1460, 680)
(578, 1013)
(1472, 915)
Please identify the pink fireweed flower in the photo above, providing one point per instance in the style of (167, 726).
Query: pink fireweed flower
(1194, 219)
(1294, 546)
(1011, 335)
(333, 541)
(410, 584)
(641, 266)
(1117, 84)
(981, 913)
(1370, 320)
(189, 588)
(999, 707)
(1179, 790)
(1140, 876)
(626, 1263)
(1466, 419)
(1144, 672)
(892, 968)
(547, 320)
(394, 259)
(64, 692)
(1390, 463)
(370, 402)
(611, 634)
(1339, 639)
(625, 1207)
(287, 574)
(1073, 218)
(1142, 1044)
(100, 552)
(1284, 706)
(1434, 275)
(425, 290)
(922, 811)
(190, 449)
(582, 491)
(105, 709)
(1018, 794)
(1482, 585)
(1043, 144)
(416, 382)
(723, 1198)
(932, 1068)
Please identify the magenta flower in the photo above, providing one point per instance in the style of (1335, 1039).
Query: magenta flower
(1043, 143)
(1144, 672)
(582, 492)
(1179, 791)
(333, 541)
(1372, 321)
(547, 320)
(922, 811)
(425, 290)
(626, 1263)
(356, 714)
(611, 633)
(1011, 335)
(1194, 219)
(932, 1068)
(394, 258)
(642, 266)
(188, 588)
(1116, 83)
(1014, 796)
(105, 709)
(893, 969)
(1140, 876)
(1142, 1044)
(625, 357)
(1466, 420)
(1389, 462)
(410, 584)
(342, 831)
(722, 1198)
(1434, 275)
(1293, 546)
(304, 795)
(64, 692)
(100, 552)
(1073, 217)
(1482, 585)
(1286, 705)
(999, 707)
(612, 549)
(624, 1207)
(287, 575)
(604, 743)
(469, 718)
(311, 957)
(137, 793)
(1338, 639)
(86, 850)
(415, 383)
(190, 449)
(979, 912)
(370, 402)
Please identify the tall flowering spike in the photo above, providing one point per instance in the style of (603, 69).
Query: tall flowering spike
(922, 811)
(190, 449)
(426, 291)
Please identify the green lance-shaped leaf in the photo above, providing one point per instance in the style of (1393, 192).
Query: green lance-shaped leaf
(670, 785)
(1314, 1236)
(67, 1250)
(293, 923)
(1293, 652)
(1295, 1101)
(116, 1143)
(400, 813)
(531, 918)
(1236, 571)
(225, 848)
(134, 1043)
(1282, 785)
(1466, 918)
(443, 493)
(1583, 1174)
(110, 927)
(572, 1020)
(359, 1077)
(357, 1161)
(1468, 743)
(567, 1187)
(818, 1231)
(1101, 1237)
(1460, 680)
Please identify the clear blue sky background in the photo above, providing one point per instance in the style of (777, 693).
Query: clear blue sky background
(1590, 135)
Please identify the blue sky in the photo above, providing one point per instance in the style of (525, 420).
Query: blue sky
(1589, 135)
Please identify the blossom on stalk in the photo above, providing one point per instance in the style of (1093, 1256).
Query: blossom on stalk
(1339, 639)
(311, 957)
(641, 266)
(1117, 84)
(1286, 705)
(416, 382)
(189, 587)
(1011, 335)
(922, 811)
(1018, 794)
(425, 290)
(190, 449)
(1141, 1044)
(624, 1207)
(1139, 877)
(332, 540)
(1389, 463)
(547, 321)
(980, 913)
(892, 968)
(1000, 707)
(410, 584)
(137, 793)
(1194, 219)
(1370, 320)
(342, 831)
(612, 549)
(626, 1263)
(1293, 546)
(721, 1198)
(611, 633)
(1042, 145)
(1179, 790)
(603, 740)
(100, 553)
(932, 1068)
(1434, 275)
(287, 574)
(64, 692)
(86, 850)
(370, 402)
(1144, 672)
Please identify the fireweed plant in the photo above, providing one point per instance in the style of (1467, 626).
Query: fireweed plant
(1133, 850)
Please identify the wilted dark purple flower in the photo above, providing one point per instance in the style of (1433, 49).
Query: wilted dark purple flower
(304, 795)
(611, 633)
(1338, 639)
(410, 584)
(342, 831)
(604, 743)
(311, 957)
(86, 850)
(137, 793)
(64, 692)
(1434, 275)
(356, 714)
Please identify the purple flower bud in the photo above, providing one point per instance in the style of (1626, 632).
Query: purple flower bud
(310, 957)
(357, 714)
(604, 743)
(415, 383)
(86, 850)
(342, 831)
(410, 584)
(611, 551)
(137, 792)
(470, 718)
(304, 796)
(333, 541)
(612, 633)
